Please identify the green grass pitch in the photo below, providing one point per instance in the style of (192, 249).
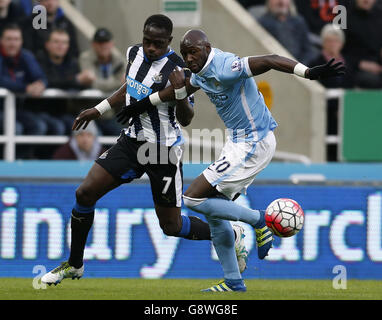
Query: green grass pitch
(187, 289)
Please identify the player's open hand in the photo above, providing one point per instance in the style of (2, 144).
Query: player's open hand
(327, 70)
(85, 117)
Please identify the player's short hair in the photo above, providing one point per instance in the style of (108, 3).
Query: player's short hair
(159, 21)
(10, 26)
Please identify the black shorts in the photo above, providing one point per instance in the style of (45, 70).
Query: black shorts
(129, 159)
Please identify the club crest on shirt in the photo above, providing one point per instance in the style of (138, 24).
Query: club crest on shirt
(157, 78)
(236, 65)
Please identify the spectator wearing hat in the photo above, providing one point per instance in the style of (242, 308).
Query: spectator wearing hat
(108, 66)
(83, 145)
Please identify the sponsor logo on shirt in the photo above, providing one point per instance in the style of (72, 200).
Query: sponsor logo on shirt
(217, 99)
(136, 89)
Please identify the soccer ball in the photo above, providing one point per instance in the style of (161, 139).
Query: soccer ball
(284, 217)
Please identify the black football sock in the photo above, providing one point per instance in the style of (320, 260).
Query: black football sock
(194, 228)
(80, 225)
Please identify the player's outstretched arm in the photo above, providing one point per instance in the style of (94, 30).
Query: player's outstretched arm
(117, 99)
(262, 64)
(141, 106)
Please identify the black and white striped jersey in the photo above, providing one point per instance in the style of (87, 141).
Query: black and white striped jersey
(144, 77)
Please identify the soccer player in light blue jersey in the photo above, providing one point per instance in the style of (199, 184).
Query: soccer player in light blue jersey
(228, 81)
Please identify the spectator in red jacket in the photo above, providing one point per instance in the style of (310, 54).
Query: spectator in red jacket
(317, 13)
(83, 145)
(20, 73)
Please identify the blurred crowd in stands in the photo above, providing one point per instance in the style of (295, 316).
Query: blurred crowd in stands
(33, 60)
(305, 29)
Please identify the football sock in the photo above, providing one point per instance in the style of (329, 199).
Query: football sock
(224, 209)
(224, 242)
(194, 228)
(81, 222)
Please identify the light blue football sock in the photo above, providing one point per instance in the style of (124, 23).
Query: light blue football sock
(226, 210)
(223, 239)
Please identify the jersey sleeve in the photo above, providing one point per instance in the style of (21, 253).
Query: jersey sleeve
(127, 53)
(232, 68)
(193, 81)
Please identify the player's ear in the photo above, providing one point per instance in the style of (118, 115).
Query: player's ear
(170, 39)
(208, 47)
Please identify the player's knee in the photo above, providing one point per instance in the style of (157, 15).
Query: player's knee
(190, 202)
(84, 196)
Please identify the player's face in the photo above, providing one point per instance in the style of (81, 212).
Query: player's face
(195, 57)
(155, 42)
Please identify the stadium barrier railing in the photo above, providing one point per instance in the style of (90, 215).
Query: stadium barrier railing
(337, 94)
(10, 139)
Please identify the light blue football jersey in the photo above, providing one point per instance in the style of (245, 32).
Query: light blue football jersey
(228, 82)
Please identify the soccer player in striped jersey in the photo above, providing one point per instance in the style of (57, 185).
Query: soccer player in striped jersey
(228, 81)
(156, 130)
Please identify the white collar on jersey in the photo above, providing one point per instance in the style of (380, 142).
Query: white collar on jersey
(209, 59)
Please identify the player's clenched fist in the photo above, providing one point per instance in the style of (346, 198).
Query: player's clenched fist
(85, 117)
(177, 78)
